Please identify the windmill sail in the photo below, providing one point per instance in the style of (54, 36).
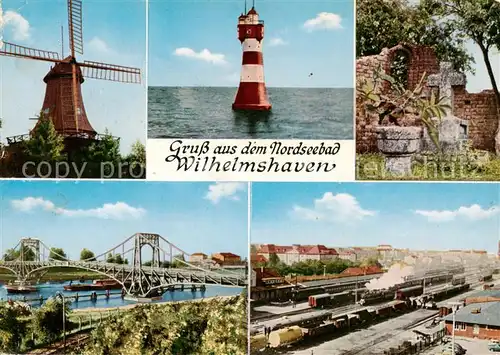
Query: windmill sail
(103, 71)
(75, 26)
(14, 50)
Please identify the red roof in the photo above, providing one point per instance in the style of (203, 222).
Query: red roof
(256, 258)
(273, 249)
(358, 271)
(228, 255)
(263, 273)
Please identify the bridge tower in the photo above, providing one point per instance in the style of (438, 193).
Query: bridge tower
(140, 280)
(32, 244)
(28, 245)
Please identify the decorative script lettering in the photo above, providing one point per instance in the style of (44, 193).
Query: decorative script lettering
(272, 157)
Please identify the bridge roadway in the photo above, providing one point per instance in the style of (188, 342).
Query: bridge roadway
(122, 272)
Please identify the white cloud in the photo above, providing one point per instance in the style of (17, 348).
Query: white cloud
(98, 45)
(341, 207)
(221, 190)
(203, 55)
(14, 21)
(324, 21)
(118, 210)
(473, 213)
(277, 41)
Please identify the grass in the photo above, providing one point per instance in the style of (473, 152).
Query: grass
(465, 167)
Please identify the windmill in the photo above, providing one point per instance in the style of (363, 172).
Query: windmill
(63, 103)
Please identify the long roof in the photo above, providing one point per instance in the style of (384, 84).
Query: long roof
(489, 314)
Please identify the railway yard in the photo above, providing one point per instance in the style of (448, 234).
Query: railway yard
(348, 319)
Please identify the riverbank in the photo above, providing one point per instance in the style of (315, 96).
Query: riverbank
(57, 274)
(85, 311)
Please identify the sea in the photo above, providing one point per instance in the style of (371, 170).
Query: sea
(206, 113)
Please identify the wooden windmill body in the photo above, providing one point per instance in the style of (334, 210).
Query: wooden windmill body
(63, 103)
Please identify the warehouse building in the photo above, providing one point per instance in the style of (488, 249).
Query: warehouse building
(476, 320)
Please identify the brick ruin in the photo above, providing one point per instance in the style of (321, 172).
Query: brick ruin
(478, 108)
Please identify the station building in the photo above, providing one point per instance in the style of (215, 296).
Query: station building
(476, 320)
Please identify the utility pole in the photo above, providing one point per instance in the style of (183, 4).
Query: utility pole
(455, 306)
(63, 318)
(356, 291)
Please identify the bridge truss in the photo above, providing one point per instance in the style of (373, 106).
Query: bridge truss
(124, 263)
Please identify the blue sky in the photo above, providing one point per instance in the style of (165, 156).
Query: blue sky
(197, 217)
(405, 215)
(107, 38)
(300, 37)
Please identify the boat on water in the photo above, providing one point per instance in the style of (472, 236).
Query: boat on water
(20, 287)
(96, 285)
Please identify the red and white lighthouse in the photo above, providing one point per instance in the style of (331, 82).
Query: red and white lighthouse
(252, 93)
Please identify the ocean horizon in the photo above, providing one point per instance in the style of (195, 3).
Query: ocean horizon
(206, 113)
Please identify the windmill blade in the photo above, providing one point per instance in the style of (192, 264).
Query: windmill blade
(96, 70)
(75, 26)
(13, 50)
(75, 96)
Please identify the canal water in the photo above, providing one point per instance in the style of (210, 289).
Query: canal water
(47, 290)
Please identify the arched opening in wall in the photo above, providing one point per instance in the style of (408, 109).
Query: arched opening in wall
(400, 67)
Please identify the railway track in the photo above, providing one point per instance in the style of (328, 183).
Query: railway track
(361, 348)
(265, 317)
(58, 347)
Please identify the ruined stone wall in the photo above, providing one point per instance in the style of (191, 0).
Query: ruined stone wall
(480, 109)
(365, 124)
(421, 60)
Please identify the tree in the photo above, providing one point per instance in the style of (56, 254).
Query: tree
(47, 322)
(57, 254)
(103, 154)
(45, 144)
(136, 161)
(372, 261)
(12, 254)
(116, 259)
(478, 20)
(138, 153)
(273, 259)
(86, 254)
(12, 330)
(387, 23)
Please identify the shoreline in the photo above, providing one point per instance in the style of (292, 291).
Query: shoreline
(130, 306)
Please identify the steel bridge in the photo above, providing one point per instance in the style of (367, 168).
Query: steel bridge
(33, 258)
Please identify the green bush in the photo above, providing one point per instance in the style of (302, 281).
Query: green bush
(214, 327)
